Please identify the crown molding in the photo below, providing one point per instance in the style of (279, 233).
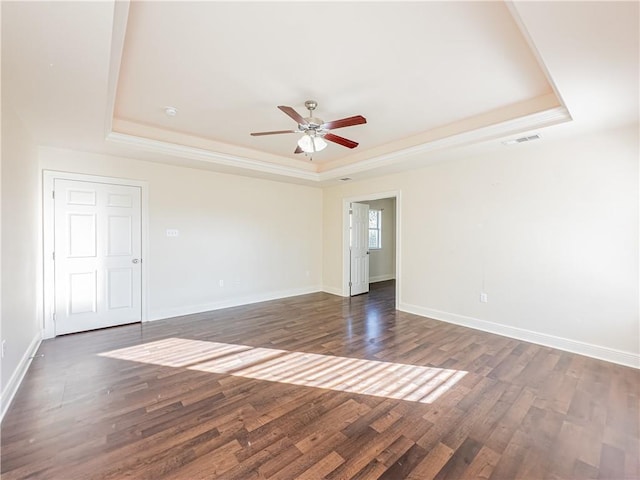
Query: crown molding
(118, 33)
(546, 118)
(174, 137)
(519, 125)
(515, 14)
(207, 156)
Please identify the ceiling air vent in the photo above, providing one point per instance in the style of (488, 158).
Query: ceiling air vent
(522, 139)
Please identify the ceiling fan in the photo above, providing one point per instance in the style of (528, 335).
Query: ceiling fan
(315, 130)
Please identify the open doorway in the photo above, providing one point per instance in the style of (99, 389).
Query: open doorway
(382, 233)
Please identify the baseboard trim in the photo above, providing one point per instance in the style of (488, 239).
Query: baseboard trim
(228, 303)
(574, 346)
(332, 291)
(382, 278)
(18, 375)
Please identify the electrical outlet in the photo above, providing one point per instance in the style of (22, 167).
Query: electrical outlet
(221, 283)
(172, 232)
(484, 298)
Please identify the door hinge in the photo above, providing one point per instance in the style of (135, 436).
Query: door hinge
(53, 194)
(350, 211)
(350, 284)
(53, 255)
(54, 316)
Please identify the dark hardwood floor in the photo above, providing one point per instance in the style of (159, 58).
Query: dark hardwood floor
(225, 395)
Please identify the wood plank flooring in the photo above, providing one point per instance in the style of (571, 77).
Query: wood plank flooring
(219, 396)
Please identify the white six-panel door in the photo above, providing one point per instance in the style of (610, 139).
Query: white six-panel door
(359, 250)
(97, 255)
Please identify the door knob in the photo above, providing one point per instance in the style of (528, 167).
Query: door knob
(135, 260)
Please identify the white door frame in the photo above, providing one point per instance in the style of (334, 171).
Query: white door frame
(346, 263)
(48, 178)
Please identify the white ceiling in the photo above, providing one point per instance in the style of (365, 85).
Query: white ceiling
(432, 78)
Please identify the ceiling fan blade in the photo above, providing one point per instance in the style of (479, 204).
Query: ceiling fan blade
(276, 132)
(293, 114)
(298, 150)
(345, 122)
(345, 142)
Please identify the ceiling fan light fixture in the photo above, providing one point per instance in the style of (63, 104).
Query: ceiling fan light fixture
(311, 144)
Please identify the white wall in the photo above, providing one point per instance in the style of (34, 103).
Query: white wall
(20, 327)
(382, 262)
(262, 238)
(549, 230)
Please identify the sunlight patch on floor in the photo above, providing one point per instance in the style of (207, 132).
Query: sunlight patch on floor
(369, 377)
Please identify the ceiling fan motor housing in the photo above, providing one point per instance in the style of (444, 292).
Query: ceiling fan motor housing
(313, 123)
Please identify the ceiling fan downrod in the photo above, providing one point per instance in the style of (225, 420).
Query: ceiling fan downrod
(312, 122)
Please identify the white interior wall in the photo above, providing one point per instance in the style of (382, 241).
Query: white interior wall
(549, 230)
(20, 327)
(382, 262)
(261, 238)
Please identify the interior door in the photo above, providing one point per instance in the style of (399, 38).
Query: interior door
(359, 250)
(97, 255)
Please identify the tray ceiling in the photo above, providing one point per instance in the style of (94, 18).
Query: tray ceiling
(435, 80)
